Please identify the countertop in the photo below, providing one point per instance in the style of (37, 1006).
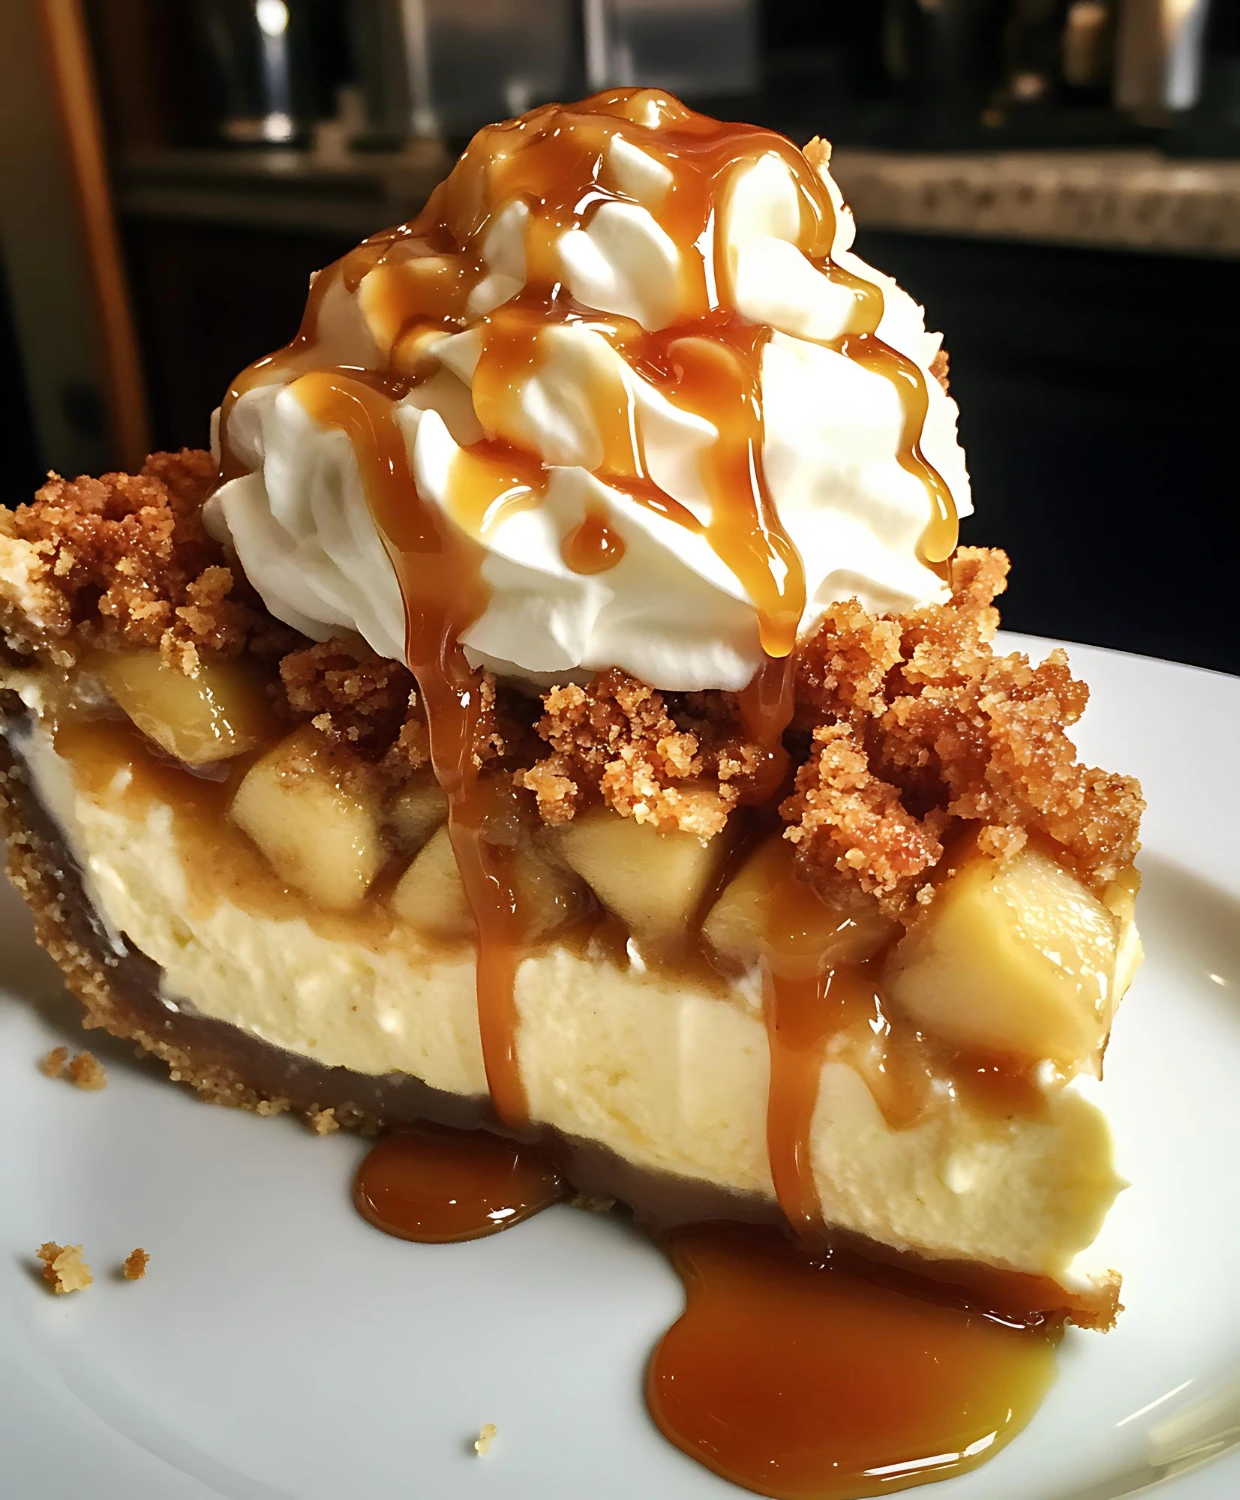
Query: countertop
(1124, 199)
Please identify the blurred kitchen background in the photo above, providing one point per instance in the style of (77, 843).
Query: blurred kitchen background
(1058, 181)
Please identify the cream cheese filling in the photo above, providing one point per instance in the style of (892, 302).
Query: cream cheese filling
(669, 1073)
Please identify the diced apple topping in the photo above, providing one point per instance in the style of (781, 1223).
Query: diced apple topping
(412, 814)
(654, 882)
(1014, 957)
(431, 895)
(217, 713)
(312, 809)
(767, 911)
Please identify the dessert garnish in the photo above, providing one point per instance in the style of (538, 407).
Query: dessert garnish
(557, 724)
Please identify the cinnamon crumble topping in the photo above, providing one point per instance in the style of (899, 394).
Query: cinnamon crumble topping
(615, 737)
(135, 1265)
(908, 728)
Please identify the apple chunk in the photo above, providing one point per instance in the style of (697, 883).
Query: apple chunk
(413, 813)
(1014, 957)
(218, 712)
(431, 894)
(313, 811)
(767, 911)
(654, 882)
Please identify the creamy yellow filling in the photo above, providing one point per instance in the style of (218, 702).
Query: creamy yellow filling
(669, 1072)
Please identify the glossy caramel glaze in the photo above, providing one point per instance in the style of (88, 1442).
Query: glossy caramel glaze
(435, 1185)
(811, 1380)
(791, 1375)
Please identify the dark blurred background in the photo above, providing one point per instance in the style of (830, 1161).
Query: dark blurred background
(1058, 181)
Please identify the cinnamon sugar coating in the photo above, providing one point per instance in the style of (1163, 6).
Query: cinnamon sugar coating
(909, 730)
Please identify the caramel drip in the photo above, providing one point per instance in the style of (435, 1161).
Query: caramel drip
(591, 546)
(439, 571)
(421, 279)
(767, 705)
(438, 1186)
(808, 1381)
(807, 999)
(491, 480)
(938, 541)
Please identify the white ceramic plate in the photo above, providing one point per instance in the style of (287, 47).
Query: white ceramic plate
(280, 1348)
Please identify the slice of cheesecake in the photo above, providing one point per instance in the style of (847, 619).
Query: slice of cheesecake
(560, 706)
(243, 864)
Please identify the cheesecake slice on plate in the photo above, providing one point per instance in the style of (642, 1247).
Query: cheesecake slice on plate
(559, 704)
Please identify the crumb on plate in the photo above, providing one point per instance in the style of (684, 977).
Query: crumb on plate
(63, 1267)
(482, 1443)
(323, 1121)
(135, 1265)
(53, 1065)
(87, 1072)
(592, 1204)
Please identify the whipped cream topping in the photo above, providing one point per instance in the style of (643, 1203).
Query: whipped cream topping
(573, 386)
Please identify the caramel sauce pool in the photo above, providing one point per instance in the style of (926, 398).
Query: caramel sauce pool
(797, 1378)
(437, 1186)
(811, 1381)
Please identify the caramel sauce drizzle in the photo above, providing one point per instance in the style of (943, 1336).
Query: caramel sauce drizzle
(592, 546)
(419, 280)
(439, 571)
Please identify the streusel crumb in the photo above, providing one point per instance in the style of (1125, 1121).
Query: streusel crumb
(917, 728)
(63, 1267)
(53, 1065)
(482, 1443)
(616, 738)
(87, 1072)
(323, 1121)
(907, 729)
(135, 1265)
(122, 560)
